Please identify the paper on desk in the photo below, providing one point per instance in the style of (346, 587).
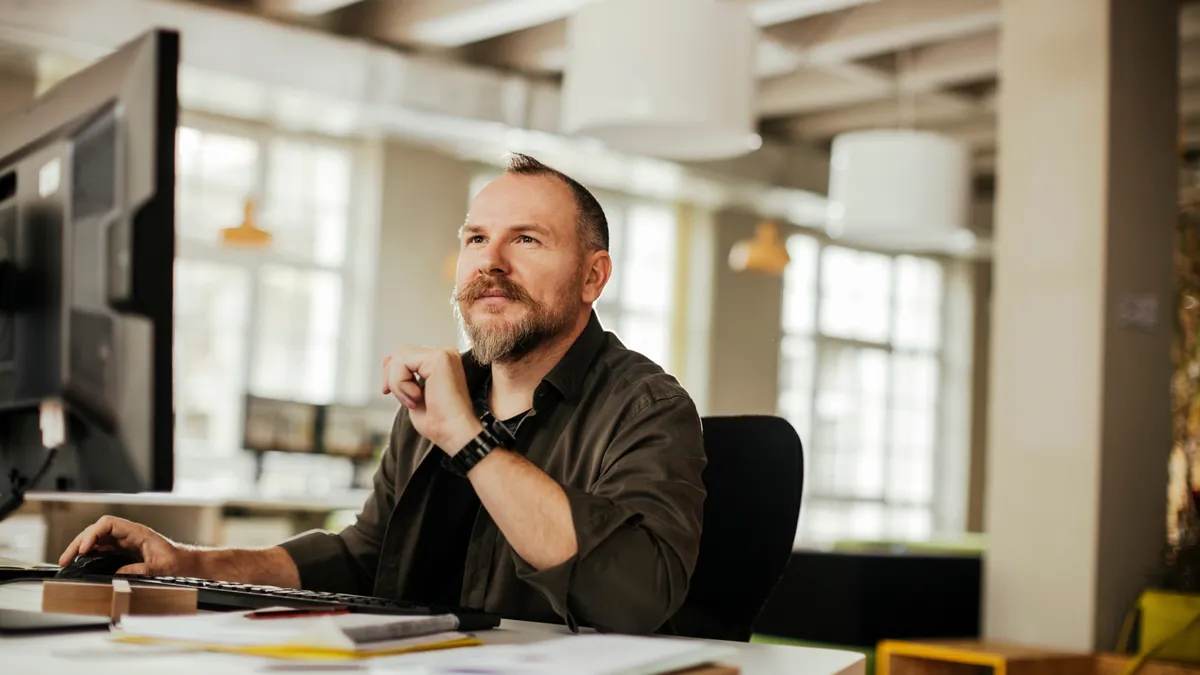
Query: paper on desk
(591, 654)
(316, 637)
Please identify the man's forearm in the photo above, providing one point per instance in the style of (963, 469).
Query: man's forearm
(268, 567)
(529, 507)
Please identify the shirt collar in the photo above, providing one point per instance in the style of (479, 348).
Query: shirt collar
(566, 376)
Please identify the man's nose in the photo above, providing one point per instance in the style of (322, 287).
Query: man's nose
(493, 260)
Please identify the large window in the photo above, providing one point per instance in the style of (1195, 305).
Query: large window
(637, 303)
(272, 321)
(861, 362)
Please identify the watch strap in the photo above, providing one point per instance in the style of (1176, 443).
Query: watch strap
(495, 434)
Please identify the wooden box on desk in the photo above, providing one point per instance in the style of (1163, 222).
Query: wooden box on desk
(116, 599)
(962, 657)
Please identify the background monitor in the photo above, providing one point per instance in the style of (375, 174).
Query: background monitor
(87, 247)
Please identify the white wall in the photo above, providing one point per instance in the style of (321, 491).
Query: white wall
(15, 90)
(747, 326)
(424, 201)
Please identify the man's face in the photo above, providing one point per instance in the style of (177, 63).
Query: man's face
(521, 272)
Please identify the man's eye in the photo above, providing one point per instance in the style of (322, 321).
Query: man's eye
(526, 239)
(476, 239)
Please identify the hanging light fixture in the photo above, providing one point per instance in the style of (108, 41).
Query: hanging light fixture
(764, 253)
(667, 78)
(247, 234)
(901, 188)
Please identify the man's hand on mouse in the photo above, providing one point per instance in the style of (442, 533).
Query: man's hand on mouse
(159, 555)
(438, 402)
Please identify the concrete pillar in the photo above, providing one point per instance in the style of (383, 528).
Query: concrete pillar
(1079, 423)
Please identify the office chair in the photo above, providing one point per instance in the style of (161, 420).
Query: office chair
(754, 478)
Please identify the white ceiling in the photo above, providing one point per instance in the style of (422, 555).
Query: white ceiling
(457, 71)
(826, 66)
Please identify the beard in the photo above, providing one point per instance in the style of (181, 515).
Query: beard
(508, 342)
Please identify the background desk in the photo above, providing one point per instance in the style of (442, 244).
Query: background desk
(48, 521)
(92, 653)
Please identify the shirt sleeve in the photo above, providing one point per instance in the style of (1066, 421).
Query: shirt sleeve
(638, 527)
(346, 562)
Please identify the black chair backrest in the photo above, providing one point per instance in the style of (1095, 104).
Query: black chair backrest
(754, 479)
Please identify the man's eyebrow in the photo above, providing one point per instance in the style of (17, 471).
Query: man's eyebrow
(523, 227)
(530, 227)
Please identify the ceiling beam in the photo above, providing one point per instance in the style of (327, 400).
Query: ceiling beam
(452, 23)
(978, 135)
(951, 63)
(774, 12)
(774, 59)
(974, 123)
(814, 89)
(887, 26)
(832, 30)
(456, 23)
(541, 50)
(828, 86)
(300, 8)
(865, 30)
(926, 110)
(532, 48)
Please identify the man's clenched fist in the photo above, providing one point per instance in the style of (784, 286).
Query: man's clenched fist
(430, 382)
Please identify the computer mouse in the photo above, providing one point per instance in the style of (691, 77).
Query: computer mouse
(103, 563)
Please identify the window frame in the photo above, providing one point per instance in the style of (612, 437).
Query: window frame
(823, 343)
(349, 386)
(615, 305)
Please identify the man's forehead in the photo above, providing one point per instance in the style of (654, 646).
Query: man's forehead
(521, 200)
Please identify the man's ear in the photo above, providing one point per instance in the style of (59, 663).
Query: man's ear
(598, 265)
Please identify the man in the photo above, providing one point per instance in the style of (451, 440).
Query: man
(590, 515)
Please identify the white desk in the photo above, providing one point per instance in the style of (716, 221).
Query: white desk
(204, 520)
(345, 499)
(92, 653)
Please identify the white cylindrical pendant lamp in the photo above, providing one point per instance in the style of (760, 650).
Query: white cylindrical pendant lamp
(666, 78)
(900, 189)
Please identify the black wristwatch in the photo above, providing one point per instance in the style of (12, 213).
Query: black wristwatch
(495, 434)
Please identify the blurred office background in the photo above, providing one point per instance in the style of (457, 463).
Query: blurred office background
(359, 130)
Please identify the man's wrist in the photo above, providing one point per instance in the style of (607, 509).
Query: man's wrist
(196, 562)
(463, 433)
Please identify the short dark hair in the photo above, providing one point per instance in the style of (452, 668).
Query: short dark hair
(589, 215)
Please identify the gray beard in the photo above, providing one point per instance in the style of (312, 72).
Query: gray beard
(512, 342)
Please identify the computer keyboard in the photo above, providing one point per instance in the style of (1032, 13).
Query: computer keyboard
(227, 596)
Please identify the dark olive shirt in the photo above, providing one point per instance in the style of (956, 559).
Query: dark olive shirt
(624, 441)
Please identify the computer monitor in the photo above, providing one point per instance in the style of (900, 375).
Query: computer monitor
(87, 247)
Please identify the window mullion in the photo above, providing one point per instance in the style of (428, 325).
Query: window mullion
(622, 270)
(350, 316)
(818, 351)
(254, 313)
(888, 397)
